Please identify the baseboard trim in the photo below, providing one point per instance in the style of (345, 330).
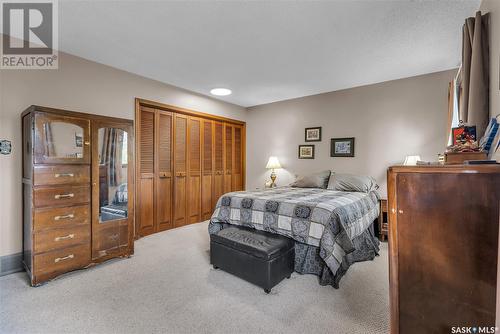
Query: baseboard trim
(10, 264)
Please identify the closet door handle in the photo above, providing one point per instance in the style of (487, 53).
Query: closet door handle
(180, 174)
(69, 236)
(70, 256)
(63, 196)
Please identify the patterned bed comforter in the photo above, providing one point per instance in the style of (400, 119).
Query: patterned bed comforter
(327, 219)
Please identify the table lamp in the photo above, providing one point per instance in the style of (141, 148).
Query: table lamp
(411, 160)
(272, 164)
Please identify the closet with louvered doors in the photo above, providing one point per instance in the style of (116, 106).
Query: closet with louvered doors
(219, 172)
(180, 169)
(207, 173)
(186, 162)
(154, 175)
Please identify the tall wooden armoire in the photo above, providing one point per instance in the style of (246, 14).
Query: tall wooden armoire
(78, 190)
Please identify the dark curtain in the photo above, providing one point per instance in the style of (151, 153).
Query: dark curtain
(111, 154)
(475, 73)
(49, 140)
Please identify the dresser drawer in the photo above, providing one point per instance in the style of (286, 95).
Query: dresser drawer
(61, 174)
(60, 196)
(59, 238)
(61, 217)
(60, 261)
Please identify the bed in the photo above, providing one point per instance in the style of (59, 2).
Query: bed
(332, 229)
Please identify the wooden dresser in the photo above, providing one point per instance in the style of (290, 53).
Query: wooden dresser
(443, 247)
(77, 190)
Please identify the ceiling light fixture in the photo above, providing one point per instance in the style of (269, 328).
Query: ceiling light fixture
(220, 91)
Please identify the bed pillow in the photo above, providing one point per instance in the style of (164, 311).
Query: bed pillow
(316, 180)
(351, 182)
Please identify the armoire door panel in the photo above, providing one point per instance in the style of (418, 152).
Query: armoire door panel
(163, 175)
(218, 183)
(180, 169)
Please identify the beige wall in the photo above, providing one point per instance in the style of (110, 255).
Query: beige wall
(493, 7)
(78, 85)
(389, 121)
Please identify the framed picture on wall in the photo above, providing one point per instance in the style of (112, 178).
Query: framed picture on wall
(342, 147)
(313, 134)
(306, 151)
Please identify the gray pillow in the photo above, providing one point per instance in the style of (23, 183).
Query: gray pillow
(317, 180)
(353, 183)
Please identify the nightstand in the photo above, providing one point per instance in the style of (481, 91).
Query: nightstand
(383, 226)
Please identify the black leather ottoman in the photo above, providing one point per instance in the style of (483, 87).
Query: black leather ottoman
(261, 258)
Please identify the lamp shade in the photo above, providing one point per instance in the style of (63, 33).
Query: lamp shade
(273, 163)
(411, 160)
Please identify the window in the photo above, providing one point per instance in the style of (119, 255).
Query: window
(124, 149)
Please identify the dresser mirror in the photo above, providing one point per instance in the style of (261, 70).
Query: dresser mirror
(113, 174)
(62, 139)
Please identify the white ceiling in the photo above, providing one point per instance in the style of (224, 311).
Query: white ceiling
(267, 51)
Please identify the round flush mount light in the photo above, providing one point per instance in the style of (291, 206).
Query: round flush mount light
(220, 91)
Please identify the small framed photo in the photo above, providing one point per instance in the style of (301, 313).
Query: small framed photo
(306, 151)
(342, 147)
(463, 133)
(313, 134)
(78, 140)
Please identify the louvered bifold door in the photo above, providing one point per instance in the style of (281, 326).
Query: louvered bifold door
(218, 187)
(180, 169)
(228, 157)
(164, 184)
(145, 196)
(207, 157)
(237, 184)
(194, 170)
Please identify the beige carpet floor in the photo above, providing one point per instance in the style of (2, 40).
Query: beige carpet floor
(168, 286)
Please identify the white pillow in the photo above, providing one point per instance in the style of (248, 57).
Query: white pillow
(350, 182)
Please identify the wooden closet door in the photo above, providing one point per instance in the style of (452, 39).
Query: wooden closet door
(218, 187)
(180, 169)
(237, 180)
(145, 156)
(207, 169)
(194, 171)
(163, 177)
(228, 157)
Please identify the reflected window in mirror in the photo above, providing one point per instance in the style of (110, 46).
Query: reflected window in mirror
(113, 171)
(63, 140)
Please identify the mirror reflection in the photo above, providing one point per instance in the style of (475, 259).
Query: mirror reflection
(113, 197)
(63, 140)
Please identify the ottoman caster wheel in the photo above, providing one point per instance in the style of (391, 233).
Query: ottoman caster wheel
(289, 276)
(267, 291)
(215, 267)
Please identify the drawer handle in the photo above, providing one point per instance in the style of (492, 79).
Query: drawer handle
(62, 196)
(64, 175)
(70, 216)
(113, 237)
(69, 236)
(70, 256)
